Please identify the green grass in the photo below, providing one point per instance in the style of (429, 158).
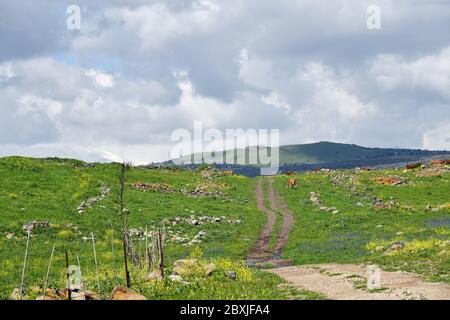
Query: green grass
(53, 189)
(352, 235)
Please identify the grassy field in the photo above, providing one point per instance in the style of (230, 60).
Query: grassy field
(51, 190)
(367, 214)
(413, 209)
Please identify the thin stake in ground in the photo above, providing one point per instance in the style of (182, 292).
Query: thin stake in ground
(81, 274)
(146, 252)
(24, 265)
(48, 270)
(69, 291)
(95, 261)
(161, 254)
(125, 223)
(112, 250)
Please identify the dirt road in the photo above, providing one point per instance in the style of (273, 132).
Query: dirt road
(335, 281)
(349, 282)
(261, 253)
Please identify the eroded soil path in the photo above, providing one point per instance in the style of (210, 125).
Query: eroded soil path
(261, 254)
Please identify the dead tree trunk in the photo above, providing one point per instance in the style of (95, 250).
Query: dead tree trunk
(125, 224)
(161, 254)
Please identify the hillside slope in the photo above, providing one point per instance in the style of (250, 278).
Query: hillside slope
(320, 153)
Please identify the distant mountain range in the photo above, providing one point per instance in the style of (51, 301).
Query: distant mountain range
(303, 157)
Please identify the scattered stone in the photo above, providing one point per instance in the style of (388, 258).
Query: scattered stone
(122, 293)
(314, 197)
(359, 204)
(231, 274)
(30, 226)
(390, 180)
(201, 234)
(155, 275)
(335, 212)
(90, 295)
(10, 235)
(175, 278)
(397, 246)
(380, 204)
(62, 294)
(91, 201)
(433, 171)
(379, 248)
(159, 187)
(15, 294)
(399, 233)
(74, 295)
(201, 192)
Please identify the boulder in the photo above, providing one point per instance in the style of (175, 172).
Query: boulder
(122, 293)
(314, 198)
(90, 295)
(231, 274)
(15, 294)
(77, 295)
(397, 246)
(175, 278)
(155, 275)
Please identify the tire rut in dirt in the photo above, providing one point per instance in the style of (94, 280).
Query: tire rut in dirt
(261, 254)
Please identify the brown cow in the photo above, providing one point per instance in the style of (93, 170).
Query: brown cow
(411, 166)
(438, 162)
(290, 173)
(292, 183)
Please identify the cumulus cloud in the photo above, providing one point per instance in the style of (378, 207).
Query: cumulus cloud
(438, 138)
(137, 70)
(431, 72)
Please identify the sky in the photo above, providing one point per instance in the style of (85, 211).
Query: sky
(116, 88)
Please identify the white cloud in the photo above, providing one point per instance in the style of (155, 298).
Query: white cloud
(431, 72)
(274, 99)
(300, 66)
(31, 103)
(437, 138)
(101, 79)
(6, 71)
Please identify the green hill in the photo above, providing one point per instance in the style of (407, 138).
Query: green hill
(320, 153)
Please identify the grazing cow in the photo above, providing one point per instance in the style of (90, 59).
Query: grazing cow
(411, 166)
(290, 173)
(439, 162)
(228, 172)
(366, 169)
(292, 183)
